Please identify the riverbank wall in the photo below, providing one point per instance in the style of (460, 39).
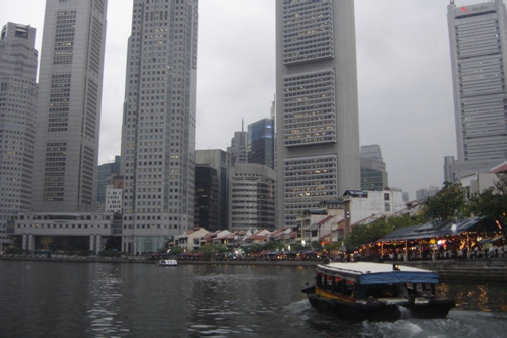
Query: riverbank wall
(489, 270)
(480, 270)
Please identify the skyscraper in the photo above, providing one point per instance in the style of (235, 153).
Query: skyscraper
(106, 174)
(261, 138)
(69, 106)
(239, 147)
(18, 99)
(206, 207)
(373, 168)
(218, 160)
(478, 43)
(158, 135)
(317, 146)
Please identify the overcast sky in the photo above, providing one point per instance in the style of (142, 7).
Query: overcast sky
(403, 67)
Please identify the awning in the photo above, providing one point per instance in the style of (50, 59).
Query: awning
(442, 229)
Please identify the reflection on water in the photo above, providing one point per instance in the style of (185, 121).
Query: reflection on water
(103, 305)
(45, 299)
(482, 297)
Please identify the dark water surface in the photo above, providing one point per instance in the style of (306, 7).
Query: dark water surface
(53, 299)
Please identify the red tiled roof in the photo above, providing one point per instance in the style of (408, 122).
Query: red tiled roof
(324, 220)
(501, 168)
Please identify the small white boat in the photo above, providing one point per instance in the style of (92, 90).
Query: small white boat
(167, 262)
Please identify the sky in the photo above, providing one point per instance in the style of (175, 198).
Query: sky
(403, 68)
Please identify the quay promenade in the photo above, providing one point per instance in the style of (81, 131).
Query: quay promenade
(479, 269)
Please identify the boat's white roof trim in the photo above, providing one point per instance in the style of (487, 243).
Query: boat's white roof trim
(368, 267)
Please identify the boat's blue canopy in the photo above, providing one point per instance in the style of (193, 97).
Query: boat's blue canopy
(398, 277)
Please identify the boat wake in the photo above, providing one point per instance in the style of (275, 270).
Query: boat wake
(457, 324)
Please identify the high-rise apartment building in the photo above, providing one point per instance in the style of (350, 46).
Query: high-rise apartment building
(261, 143)
(478, 43)
(158, 135)
(69, 105)
(317, 146)
(18, 100)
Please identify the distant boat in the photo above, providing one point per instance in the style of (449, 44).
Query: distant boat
(167, 262)
(376, 292)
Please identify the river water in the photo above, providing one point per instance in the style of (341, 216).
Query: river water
(55, 299)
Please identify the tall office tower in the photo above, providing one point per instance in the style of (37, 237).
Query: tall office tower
(251, 197)
(18, 100)
(217, 159)
(373, 168)
(238, 151)
(69, 106)
(261, 143)
(478, 43)
(106, 174)
(371, 152)
(206, 207)
(158, 136)
(317, 128)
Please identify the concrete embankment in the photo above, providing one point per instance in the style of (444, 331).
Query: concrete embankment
(484, 270)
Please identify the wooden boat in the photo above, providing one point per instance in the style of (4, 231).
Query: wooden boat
(376, 292)
(167, 262)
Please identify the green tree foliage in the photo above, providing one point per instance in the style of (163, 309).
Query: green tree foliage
(367, 233)
(214, 248)
(491, 203)
(449, 202)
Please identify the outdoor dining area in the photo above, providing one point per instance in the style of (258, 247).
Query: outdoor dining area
(466, 239)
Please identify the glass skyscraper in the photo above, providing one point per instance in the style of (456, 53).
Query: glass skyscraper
(317, 128)
(158, 132)
(261, 143)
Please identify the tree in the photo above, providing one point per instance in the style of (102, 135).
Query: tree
(368, 233)
(449, 202)
(491, 203)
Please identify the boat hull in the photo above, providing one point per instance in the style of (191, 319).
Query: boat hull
(168, 262)
(380, 311)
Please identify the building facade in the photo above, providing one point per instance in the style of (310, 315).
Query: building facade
(238, 151)
(261, 142)
(365, 206)
(158, 132)
(478, 44)
(114, 198)
(69, 105)
(206, 210)
(251, 197)
(106, 174)
(66, 231)
(218, 159)
(373, 168)
(18, 100)
(317, 145)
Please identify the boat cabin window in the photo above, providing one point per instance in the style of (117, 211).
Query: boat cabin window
(382, 291)
(348, 288)
(421, 289)
(335, 284)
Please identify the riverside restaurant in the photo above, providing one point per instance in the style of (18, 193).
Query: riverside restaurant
(468, 238)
